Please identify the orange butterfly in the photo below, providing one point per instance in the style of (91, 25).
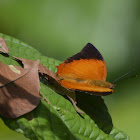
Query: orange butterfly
(86, 71)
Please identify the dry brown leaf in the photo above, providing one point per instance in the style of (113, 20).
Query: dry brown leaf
(3, 46)
(19, 89)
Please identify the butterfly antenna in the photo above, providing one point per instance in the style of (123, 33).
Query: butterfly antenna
(123, 75)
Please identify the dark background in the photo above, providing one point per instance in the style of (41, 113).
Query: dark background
(59, 29)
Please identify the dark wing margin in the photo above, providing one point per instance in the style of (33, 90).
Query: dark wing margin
(88, 52)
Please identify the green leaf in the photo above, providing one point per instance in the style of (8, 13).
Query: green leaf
(58, 120)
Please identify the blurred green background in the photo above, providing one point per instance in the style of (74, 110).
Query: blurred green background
(59, 29)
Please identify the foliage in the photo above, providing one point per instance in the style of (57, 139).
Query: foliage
(58, 119)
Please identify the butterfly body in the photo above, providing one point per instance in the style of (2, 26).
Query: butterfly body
(86, 71)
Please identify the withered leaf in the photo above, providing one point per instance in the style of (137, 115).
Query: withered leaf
(19, 89)
(3, 46)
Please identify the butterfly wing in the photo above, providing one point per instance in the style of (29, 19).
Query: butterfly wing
(87, 65)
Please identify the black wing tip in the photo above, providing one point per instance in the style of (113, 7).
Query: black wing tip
(90, 44)
(88, 52)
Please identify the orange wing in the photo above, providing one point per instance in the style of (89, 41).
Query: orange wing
(87, 64)
(78, 71)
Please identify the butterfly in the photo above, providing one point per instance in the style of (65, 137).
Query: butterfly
(86, 71)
